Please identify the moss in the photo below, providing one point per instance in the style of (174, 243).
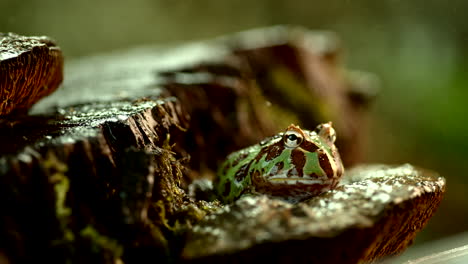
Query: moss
(61, 185)
(162, 214)
(100, 242)
(296, 97)
(282, 116)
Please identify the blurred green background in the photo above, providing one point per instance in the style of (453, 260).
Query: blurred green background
(416, 47)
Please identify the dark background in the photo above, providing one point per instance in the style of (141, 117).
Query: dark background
(417, 48)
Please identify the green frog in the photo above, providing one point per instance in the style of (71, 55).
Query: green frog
(292, 165)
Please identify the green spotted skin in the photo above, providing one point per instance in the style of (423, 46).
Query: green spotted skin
(293, 165)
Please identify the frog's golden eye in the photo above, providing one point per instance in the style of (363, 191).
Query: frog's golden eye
(292, 139)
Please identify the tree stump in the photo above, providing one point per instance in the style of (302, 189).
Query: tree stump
(100, 170)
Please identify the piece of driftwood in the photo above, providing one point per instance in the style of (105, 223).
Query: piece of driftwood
(30, 68)
(99, 171)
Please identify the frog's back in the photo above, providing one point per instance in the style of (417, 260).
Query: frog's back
(233, 178)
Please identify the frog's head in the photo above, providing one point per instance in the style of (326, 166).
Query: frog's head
(300, 163)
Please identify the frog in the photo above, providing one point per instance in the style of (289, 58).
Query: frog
(292, 165)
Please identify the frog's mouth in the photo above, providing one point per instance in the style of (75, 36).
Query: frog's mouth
(294, 180)
(296, 188)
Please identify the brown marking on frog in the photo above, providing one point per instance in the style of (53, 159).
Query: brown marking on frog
(325, 164)
(242, 172)
(271, 152)
(227, 189)
(298, 159)
(258, 181)
(226, 168)
(309, 146)
(280, 166)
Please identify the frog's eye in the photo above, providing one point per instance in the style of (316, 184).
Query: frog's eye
(326, 131)
(292, 139)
